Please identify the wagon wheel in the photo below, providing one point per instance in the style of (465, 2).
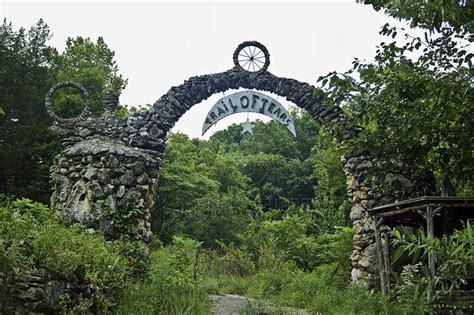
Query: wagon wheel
(252, 57)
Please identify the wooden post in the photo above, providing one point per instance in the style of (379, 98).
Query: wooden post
(431, 260)
(430, 234)
(378, 245)
(386, 259)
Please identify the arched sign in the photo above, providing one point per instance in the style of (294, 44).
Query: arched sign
(249, 101)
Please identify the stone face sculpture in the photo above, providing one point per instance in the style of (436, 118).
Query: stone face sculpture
(105, 176)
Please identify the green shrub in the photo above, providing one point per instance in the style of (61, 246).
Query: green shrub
(78, 257)
(288, 237)
(291, 239)
(155, 243)
(36, 210)
(136, 253)
(31, 238)
(281, 279)
(454, 264)
(334, 249)
(125, 222)
(17, 229)
(172, 285)
(271, 281)
(236, 261)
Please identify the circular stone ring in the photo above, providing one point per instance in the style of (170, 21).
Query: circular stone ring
(85, 96)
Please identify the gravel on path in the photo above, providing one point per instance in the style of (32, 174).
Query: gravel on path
(230, 304)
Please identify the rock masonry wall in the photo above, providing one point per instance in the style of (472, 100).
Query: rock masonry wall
(365, 193)
(98, 178)
(41, 292)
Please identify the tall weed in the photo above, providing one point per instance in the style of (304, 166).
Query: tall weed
(172, 285)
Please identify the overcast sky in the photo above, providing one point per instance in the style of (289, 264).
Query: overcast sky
(160, 44)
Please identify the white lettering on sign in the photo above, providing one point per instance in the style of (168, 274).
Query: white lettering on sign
(248, 101)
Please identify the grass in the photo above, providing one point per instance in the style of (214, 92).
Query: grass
(175, 279)
(324, 290)
(171, 286)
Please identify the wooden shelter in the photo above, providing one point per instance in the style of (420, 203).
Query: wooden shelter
(440, 215)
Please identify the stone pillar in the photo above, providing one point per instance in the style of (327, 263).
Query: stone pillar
(105, 186)
(363, 261)
(100, 180)
(365, 193)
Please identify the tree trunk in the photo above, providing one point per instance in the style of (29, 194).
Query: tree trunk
(447, 188)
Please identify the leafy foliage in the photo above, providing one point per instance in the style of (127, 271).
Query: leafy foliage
(209, 190)
(94, 67)
(195, 186)
(125, 222)
(172, 286)
(276, 277)
(331, 202)
(268, 209)
(28, 68)
(418, 98)
(31, 238)
(26, 142)
(430, 14)
(454, 262)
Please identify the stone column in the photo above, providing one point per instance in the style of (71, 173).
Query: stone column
(364, 193)
(101, 181)
(357, 169)
(105, 186)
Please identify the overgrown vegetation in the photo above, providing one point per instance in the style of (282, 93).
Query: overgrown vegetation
(173, 284)
(454, 265)
(211, 190)
(32, 238)
(30, 67)
(417, 94)
(280, 261)
(271, 263)
(266, 215)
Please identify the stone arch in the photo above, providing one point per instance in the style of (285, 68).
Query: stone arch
(170, 107)
(109, 166)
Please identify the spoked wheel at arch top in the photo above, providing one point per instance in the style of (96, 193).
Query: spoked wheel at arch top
(252, 56)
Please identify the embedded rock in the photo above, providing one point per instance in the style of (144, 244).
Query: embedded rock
(364, 193)
(41, 292)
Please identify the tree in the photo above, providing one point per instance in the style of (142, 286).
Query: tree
(417, 110)
(181, 182)
(277, 164)
(279, 182)
(331, 203)
(219, 217)
(430, 14)
(93, 66)
(27, 146)
(228, 139)
(200, 194)
(28, 68)
(270, 138)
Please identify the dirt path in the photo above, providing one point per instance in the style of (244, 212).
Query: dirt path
(230, 304)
